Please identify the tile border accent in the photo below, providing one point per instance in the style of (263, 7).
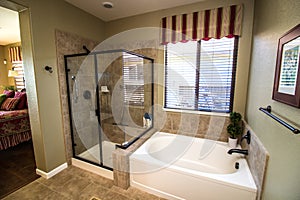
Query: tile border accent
(53, 172)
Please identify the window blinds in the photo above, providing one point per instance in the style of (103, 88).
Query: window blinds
(200, 75)
(133, 79)
(216, 74)
(19, 80)
(180, 75)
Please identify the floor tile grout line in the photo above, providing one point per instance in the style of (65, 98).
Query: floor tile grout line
(107, 187)
(126, 195)
(52, 189)
(56, 192)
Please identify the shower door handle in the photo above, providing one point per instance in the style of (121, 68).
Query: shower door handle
(97, 112)
(75, 89)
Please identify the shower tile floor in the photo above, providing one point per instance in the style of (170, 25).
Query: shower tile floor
(74, 183)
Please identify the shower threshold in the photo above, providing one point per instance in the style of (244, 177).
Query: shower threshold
(93, 153)
(93, 168)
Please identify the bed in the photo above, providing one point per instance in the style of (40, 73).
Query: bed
(14, 128)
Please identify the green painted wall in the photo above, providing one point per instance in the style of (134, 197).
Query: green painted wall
(272, 20)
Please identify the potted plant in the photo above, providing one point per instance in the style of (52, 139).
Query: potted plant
(8, 87)
(234, 129)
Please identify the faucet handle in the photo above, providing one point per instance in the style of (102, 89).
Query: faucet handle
(247, 137)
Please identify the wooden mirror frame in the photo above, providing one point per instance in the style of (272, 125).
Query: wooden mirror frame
(290, 99)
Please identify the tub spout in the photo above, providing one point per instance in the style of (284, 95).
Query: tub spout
(241, 151)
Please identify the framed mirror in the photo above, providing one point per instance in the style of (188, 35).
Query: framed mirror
(287, 74)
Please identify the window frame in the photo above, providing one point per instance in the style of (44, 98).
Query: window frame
(198, 65)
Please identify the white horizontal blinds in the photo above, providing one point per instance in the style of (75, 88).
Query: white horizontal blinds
(15, 56)
(133, 79)
(211, 87)
(180, 75)
(216, 73)
(19, 80)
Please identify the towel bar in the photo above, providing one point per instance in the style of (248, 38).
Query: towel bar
(268, 110)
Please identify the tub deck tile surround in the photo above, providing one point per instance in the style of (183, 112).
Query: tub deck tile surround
(195, 125)
(215, 128)
(121, 161)
(257, 159)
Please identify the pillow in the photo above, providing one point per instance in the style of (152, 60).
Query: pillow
(9, 104)
(22, 100)
(2, 98)
(9, 93)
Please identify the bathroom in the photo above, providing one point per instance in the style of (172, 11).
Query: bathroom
(255, 76)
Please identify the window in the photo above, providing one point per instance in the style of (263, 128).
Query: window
(200, 75)
(133, 79)
(15, 57)
(19, 79)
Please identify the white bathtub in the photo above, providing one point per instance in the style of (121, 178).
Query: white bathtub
(181, 167)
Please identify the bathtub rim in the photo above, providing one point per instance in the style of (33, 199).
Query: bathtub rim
(230, 179)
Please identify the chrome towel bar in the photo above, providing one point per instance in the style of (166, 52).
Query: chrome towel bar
(268, 110)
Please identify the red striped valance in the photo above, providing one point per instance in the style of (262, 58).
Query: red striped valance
(215, 23)
(15, 54)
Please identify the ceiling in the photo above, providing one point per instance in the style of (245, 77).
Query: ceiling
(126, 8)
(9, 21)
(9, 27)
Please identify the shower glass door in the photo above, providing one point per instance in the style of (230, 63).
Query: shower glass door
(109, 73)
(110, 98)
(125, 97)
(81, 86)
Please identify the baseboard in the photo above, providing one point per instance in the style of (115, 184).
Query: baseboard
(92, 168)
(53, 172)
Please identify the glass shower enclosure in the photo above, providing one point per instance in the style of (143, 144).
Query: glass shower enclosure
(110, 96)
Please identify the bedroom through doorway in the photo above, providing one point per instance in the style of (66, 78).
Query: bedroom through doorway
(17, 161)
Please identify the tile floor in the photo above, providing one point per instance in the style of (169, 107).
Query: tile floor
(17, 168)
(74, 183)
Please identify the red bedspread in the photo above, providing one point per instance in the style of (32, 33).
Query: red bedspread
(14, 128)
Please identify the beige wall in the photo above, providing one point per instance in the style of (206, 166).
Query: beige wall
(153, 20)
(3, 69)
(4, 80)
(43, 88)
(10, 80)
(272, 20)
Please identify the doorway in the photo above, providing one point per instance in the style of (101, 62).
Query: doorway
(18, 165)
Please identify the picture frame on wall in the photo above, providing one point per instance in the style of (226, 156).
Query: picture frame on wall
(286, 87)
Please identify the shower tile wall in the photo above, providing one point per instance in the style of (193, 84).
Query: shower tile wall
(110, 70)
(85, 122)
(117, 119)
(66, 44)
(69, 43)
